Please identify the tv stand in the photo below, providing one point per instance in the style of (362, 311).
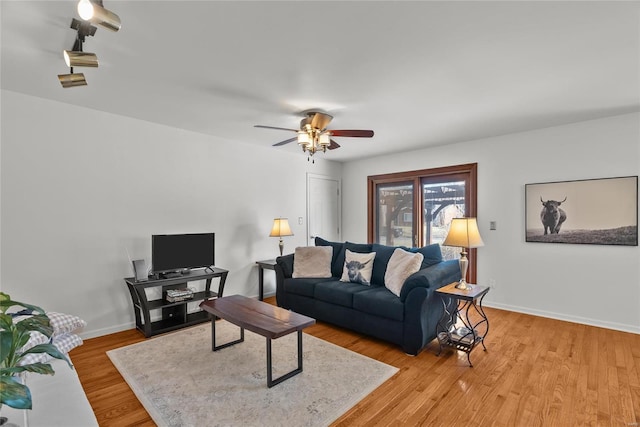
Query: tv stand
(174, 314)
(170, 275)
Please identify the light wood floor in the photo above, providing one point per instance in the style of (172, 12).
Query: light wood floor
(536, 372)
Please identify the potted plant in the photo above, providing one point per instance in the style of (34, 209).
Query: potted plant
(13, 337)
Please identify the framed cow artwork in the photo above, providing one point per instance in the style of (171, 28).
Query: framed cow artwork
(600, 211)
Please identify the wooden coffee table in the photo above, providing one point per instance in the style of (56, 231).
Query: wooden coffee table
(261, 318)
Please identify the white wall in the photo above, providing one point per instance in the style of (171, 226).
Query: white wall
(80, 187)
(590, 284)
(71, 205)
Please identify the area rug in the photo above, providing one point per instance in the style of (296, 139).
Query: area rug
(181, 382)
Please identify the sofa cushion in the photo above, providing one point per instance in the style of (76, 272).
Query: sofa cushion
(336, 270)
(383, 255)
(312, 261)
(336, 292)
(304, 287)
(401, 265)
(358, 267)
(432, 255)
(379, 301)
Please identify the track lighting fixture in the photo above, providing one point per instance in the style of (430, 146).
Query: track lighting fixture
(76, 57)
(93, 11)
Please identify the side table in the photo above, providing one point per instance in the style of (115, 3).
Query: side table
(269, 264)
(464, 324)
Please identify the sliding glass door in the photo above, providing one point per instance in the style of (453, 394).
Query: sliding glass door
(395, 225)
(415, 208)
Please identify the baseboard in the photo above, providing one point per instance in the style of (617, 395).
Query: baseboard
(106, 331)
(558, 316)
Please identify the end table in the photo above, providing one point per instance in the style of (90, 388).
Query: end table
(464, 324)
(269, 264)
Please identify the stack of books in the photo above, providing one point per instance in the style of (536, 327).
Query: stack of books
(175, 295)
(463, 335)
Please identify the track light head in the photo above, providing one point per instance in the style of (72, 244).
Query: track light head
(74, 58)
(72, 79)
(94, 12)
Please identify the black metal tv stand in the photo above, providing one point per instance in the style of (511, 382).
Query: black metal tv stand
(174, 314)
(170, 275)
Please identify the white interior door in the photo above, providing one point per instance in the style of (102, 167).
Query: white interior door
(323, 208)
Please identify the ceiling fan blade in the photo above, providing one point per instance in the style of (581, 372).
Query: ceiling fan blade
(274, 127)
(352, 133)
(286, 141)
(333, 145)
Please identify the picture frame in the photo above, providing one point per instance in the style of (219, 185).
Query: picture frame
(602, 211)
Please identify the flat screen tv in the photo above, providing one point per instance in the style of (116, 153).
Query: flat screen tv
(177, 252)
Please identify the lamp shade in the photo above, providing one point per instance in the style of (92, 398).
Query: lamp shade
(303, 138)
(463, 233)
(280, 228)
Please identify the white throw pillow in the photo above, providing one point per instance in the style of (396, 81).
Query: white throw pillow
(358, 267)
(312, 261)
(401, 265)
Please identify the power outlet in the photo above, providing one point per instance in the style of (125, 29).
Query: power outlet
(492, 283)
(299, 220)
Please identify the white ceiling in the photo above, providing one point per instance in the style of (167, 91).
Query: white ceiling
(417, 73)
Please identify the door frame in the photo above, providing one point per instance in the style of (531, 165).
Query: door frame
(311, 176)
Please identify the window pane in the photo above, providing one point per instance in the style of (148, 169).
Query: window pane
(395, 214)
(442, 202)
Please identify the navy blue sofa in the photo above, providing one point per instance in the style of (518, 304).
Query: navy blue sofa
(409, 320)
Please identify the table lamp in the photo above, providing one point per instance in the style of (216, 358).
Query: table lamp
(280, 228)
(463, 233)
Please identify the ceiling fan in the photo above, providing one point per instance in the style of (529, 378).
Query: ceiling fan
(313, 134)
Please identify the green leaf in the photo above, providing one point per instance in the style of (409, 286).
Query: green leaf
(3, 297)
(6, 341)
(38, 368)
(7, 303)
(14, 394)
(11, 371)
(6, 321)
(39, 323)
(51, 350)
(21, 340)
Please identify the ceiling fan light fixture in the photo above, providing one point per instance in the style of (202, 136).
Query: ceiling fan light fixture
(303, 138)
(324, 139)
(72, 79)
(313, 135)
(97, 14)
(75, 58)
